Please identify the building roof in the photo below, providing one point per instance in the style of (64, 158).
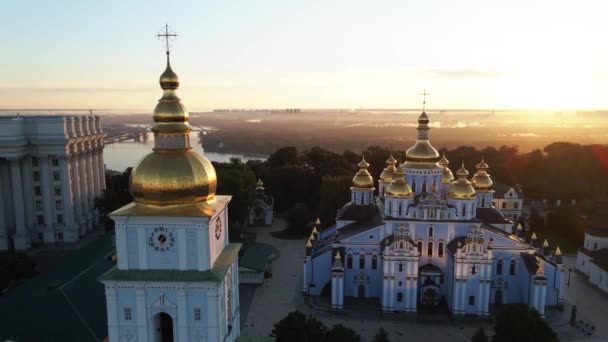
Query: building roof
(491, 216)
(598, 256)
(453, 245)
(359, 226)
(530, 262)
(501, 189)
(215, 274)
(357, 212)
(257, 256)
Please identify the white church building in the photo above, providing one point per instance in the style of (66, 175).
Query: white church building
(426, 240)
(176, 277)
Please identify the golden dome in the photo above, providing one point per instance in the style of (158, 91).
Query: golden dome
(389, 171)
(173, 174)
(461, 188)
(259, 186)
(444, 161)
(362, 178)
(399, 187)
(481, 180)
(422, 151)
(447, 176)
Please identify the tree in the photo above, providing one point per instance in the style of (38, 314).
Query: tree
(236, 179)
(297, 219)
(297, 327)
(381, 336)
(335, 192)
(340, 333)
(480, 336)
(518, 322)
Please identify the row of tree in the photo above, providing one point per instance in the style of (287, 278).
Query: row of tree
(517, 322)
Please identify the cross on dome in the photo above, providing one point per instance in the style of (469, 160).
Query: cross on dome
(424, 94)
(167, 36)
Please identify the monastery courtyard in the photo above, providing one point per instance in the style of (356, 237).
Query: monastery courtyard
(263, 306)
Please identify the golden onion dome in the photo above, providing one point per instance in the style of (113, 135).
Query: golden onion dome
(259, 186)
(422, 151)
(169, 178)
(173, 174)
(389, 171)
(363, 179)
(481, 180)
(399, 187)
(444, 161)
(447, 176)
(461, 188)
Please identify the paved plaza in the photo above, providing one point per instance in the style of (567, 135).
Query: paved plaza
(267, 304)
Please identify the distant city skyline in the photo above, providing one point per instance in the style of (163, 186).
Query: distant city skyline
(317, 54)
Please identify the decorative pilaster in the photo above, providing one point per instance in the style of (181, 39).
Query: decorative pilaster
(47, 199)
(74, 170)
(21, 238)
(102, 168)
(67, 199)
(142, 323)
(84, 190)
(182, 315)
(112, 312)
(92, 183)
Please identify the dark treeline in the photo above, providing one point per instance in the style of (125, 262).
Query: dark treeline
(321, 179)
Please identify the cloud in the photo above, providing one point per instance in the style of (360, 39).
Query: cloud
(463, 73)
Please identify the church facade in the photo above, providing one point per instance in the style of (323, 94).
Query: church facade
(176, 277)
(428, 239)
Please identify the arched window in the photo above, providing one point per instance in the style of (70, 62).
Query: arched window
(512, 267)
(349, 262)
(423, 186)
(430, 231)
(413, 186)
(595, 245)
(400, 297)
(401, 245)
(374, 262)
(483, 202)
(400, 267)
(440, 250)
(400, 209)
(419, 247)
(429, 249)
(362, 261)
(499, 267)
(463, 210)
(473, 269)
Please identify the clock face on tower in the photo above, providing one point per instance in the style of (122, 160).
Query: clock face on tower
(161, 239)
(218, 228)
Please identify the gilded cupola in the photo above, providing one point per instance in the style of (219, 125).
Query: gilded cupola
(389, 171)
(172, 174)
(363, 179)
(259, 186)
(481, 180)
(447, 176)
(422, 151)
(461, 188)
(399, 187)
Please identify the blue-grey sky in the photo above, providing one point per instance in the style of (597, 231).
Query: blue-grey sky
(309, 54)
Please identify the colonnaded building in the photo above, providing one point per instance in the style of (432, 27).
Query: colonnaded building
(428, 239)
(51, 171)
(176, 277)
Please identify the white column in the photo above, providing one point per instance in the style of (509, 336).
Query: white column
(67, 200)
(21, 239)
(384, 293)
(334, 291)
(142, 317)
(121, 247)
(142, 249)
(4, 232)
(341, 292)
(212, 316)
(112, 315)
(91, 183)
(84, 190)
(181, 243)
(94, 171)
(74, 170)
(182, 316)
(47, 198)
(28, 192)
(102, 168)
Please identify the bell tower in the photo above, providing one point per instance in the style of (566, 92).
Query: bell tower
(176, 277)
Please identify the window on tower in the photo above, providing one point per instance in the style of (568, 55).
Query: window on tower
(471, 300)
(512, 267)
(349, 262)
(197, 314)
(413, 186)
(400, 297)
(127, 313)
(430, 231)
(429, 250)
(499, 267)
(420, 248)
(374, 262)
(361, 261)
(440, 250)
(400, 267)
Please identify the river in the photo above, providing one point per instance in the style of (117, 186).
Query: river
(121, 155)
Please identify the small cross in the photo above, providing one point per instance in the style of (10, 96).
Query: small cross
(424, 94)
(167, 36)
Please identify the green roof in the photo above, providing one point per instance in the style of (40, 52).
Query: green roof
(215, 274)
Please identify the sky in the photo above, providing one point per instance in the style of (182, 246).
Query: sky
(468, 54)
